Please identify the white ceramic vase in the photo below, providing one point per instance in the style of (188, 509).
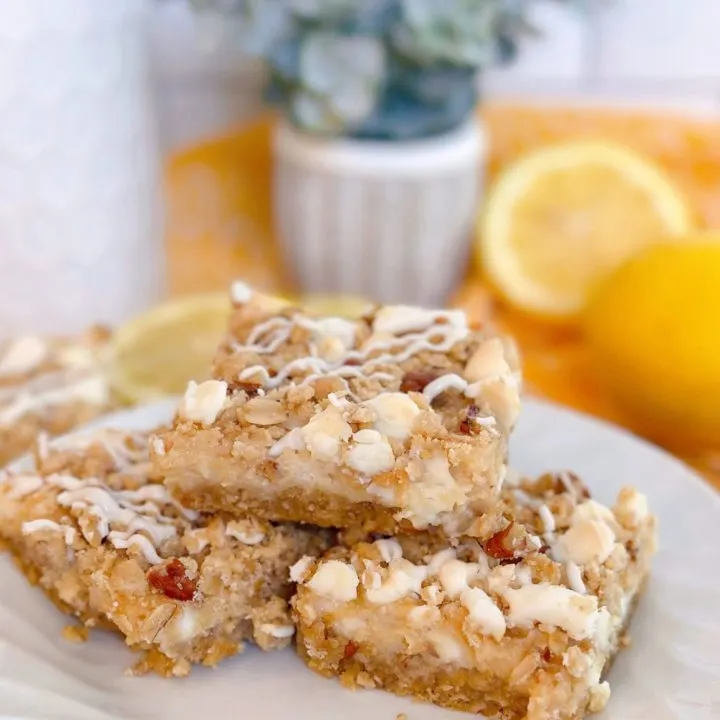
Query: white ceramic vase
(80, 204)
(389, 221)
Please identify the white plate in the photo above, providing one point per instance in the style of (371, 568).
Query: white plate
(671, 671)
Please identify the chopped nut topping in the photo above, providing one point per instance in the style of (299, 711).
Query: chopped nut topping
(469, 425)
(202, 403)
(417, 381)
(350, 649)
(498, 545)
(172, 581)
(264, 411)
(250, 389)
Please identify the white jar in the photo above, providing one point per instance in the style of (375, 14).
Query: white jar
(80, 209)
(388, 220)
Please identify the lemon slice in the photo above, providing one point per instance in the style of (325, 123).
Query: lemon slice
(563, 217)
(346, 306)
(157, 353)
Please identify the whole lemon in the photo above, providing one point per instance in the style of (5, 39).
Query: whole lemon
(653, 328)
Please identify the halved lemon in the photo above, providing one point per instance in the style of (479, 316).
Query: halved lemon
(560, 219)
(652, 332)
(158, 352)
(346, 306)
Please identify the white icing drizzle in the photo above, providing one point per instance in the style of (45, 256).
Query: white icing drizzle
(548, 519)
(564, 478)
(23, 485)
(138, 541)
(240, 293)
(543, 511)
(447, 327)
(279, 329)
(33, 526)
(43, 445)
(574, 577)
(92, 390)
(443, 383)
(126, 518)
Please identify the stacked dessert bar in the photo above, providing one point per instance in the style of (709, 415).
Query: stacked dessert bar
(48, 387)
(95, 528)
(453, 582)
(346, 483)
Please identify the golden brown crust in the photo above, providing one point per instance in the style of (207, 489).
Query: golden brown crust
(407, 411)
(521, 624)
(108, 545)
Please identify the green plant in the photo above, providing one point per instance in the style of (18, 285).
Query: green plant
(383, 69)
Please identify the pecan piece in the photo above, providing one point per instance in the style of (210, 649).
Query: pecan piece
(497, 546)
(417, 380)
(251, 389)
(172, 581)
(469, 424)
(350, 649)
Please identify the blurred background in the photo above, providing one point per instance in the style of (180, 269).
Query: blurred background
(551, 167)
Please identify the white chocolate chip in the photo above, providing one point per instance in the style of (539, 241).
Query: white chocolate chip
(240, 293)
(335, 580)
(371, 577)
(599, 696)
(292, 441)
(449, 648)
(432, 490)
(604, 630)
(487, 362)
(455, 575)
(396, 319)
(371, 454)
(500, 578)
(277, 631)
(432, 594)
(185, 623)
(202, 403)
(502, 396)
(396, 413)
(331, 349)
(483, 612)
(334, 336)
(324, 434)
(299, 570)
(403, 579)
(576, 661)
(553, 605)
(367, 437)
(631, 508)
(584, 542)
(389, 549)
(158, 446)
(248, 532)
(439, 559)
(593, 510)
(384, 493)
(264, 411)
(424, 615)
